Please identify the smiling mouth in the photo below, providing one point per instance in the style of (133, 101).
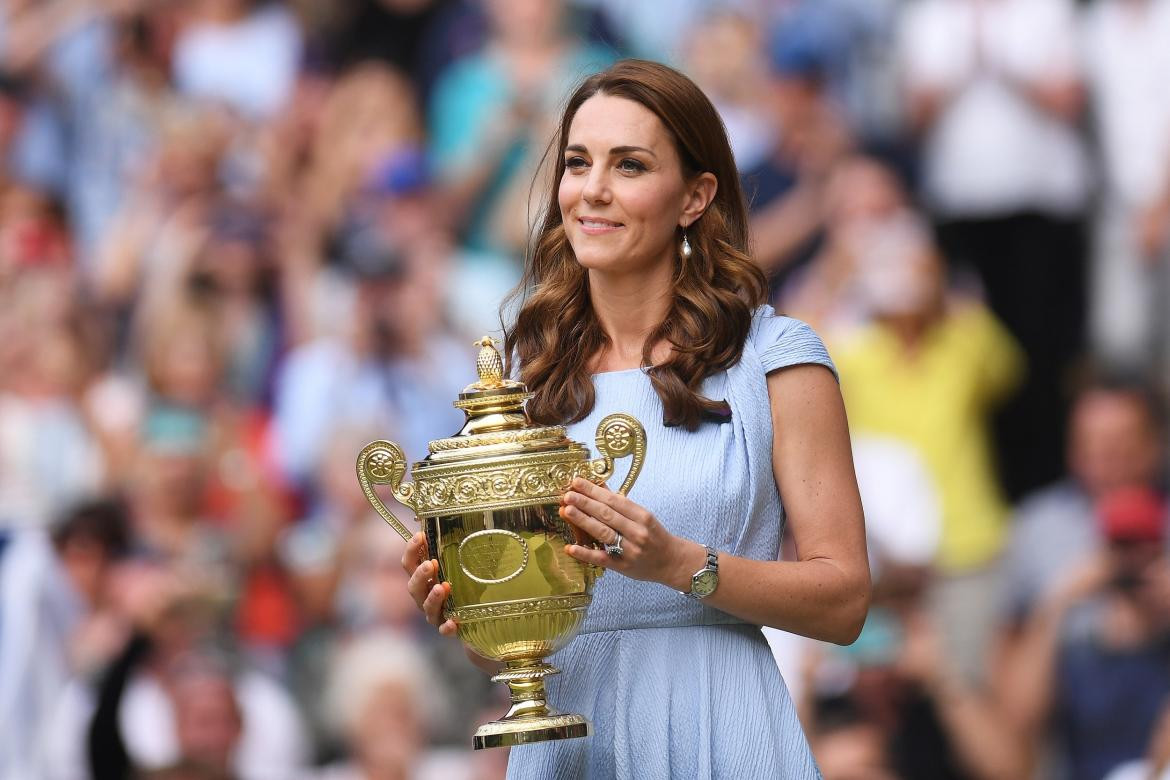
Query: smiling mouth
(593, 225)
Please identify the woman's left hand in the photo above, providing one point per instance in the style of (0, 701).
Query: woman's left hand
(648, 551)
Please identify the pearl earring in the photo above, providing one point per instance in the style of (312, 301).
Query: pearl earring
(686, 247)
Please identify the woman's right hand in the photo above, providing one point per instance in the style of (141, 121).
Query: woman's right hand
(429, 594)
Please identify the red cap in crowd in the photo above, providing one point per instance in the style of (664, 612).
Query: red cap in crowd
(1133, 515)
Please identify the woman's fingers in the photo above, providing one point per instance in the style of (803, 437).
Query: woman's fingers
(433, 603)
(415, 552)
(421, 580)
(601, 512)
(428, 594)
(616, 501)
(589, 524)
(589, 555)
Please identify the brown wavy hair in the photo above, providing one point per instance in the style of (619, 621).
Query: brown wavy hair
(556, 332)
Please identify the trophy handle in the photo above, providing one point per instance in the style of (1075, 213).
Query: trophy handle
(382, 463)
(619, 435)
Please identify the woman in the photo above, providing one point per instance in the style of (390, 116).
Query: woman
(642, 298)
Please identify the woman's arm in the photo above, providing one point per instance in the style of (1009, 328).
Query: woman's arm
(825, 593)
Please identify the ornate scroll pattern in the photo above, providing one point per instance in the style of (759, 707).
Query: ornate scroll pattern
(382, 463)
(619, 435)
(540, 606)
(498, 487)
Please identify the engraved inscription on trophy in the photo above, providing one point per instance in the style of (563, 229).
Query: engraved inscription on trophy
(493, 556)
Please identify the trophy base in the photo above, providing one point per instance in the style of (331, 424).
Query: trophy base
(530, 719)
(522, 731)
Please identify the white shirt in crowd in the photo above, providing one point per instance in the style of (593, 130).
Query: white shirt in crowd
(991, 151)
(1127, 66)
(251, 65)
(274, 744)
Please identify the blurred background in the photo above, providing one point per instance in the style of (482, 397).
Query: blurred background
(239, 239)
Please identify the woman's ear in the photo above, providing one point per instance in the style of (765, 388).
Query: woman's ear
(699, 196)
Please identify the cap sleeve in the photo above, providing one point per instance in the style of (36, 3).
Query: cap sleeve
(783, 341)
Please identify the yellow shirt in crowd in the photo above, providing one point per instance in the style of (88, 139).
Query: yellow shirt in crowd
(940, 399)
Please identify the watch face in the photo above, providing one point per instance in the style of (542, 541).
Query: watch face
(704, 583)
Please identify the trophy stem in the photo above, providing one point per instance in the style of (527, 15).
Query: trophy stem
(529, 719)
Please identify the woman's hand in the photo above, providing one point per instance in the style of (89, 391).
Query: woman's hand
(429, 594)
(649, 551)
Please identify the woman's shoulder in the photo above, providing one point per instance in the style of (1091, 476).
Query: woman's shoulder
(780, 342)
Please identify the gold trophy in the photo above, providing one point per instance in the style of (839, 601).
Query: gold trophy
(487, 498)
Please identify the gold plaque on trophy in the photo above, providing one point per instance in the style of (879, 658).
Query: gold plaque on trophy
(488, 500)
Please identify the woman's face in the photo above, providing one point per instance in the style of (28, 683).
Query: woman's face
(622, 195)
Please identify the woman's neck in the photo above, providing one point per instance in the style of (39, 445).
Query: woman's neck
(629, 307)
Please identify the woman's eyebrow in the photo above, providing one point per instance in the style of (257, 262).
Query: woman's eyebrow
(628, 149)
(613, 151)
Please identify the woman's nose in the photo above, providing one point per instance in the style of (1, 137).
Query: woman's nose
(596, 186)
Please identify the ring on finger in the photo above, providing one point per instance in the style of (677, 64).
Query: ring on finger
(614, 548)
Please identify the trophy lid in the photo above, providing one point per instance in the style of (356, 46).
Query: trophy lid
(496, 423)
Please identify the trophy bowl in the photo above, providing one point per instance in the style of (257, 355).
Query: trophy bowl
(488, 500)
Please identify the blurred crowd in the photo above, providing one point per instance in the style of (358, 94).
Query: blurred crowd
(240, 239)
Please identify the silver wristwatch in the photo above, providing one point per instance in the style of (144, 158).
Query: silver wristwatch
(705, 580)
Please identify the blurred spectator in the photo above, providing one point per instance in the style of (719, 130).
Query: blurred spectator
(785, 190)
(233, 275)
(417, 37)
(111, 79)
(1114, 442)
(855, 40)
(381, 697)
(847, 746)
(860, 194)
(649, 33)
(725, 56)
(132, 718)
(164, 215)
(929, 371)
(894, 701)
(244, 53)
(1156, 763)
(492, 112)
(49, 458)
(1128, 61)
(395, 366)
(993, 88)
(903, 517)
(208, 719)
(1092, 659)
(48, 584)
(367, 119)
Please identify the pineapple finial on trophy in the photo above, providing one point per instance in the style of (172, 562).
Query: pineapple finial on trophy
(489, 364)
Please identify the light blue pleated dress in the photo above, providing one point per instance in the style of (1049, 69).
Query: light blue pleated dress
(674, 688)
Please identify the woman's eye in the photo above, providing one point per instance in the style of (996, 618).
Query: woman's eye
(630, 165)
(575, 163)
